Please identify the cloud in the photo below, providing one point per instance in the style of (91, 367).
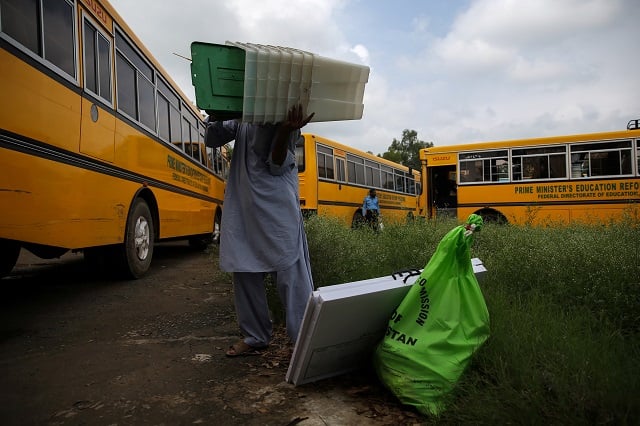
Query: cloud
(535, 68)
(361, 52)
(456, 72)
(471, 55)
(534, 23)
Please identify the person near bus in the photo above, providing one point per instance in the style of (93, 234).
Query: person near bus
(262, 230)
(371, 209)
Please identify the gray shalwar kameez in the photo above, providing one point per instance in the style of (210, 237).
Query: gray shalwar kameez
(262, 230)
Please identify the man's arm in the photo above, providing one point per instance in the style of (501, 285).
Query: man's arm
(295, 121)
(219, 133)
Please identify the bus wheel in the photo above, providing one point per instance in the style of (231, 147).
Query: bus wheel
(492, 216)
(217, 224)
(357, 221)
(201, 242)
(137, 250)
(9, 252)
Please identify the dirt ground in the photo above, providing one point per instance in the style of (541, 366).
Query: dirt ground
(79, 348)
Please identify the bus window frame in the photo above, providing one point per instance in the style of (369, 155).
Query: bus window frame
(121, 52)
(41, 59)
(598, 152)
(299, 155)
(488, 159)
(341, 169)
(99, 31)
(326, 161)
(637, 166)
(533, 153)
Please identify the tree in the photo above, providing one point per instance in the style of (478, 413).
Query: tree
(407, 150)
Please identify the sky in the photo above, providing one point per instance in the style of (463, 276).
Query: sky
(455, 71)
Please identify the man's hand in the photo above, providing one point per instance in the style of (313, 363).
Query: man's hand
(295, 120)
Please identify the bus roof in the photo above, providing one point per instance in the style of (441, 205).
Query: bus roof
(359, 152)
(476, 146)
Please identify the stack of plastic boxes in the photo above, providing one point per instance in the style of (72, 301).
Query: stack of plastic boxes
(274, 78)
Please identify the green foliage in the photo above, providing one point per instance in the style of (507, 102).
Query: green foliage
(340, 254)
(563, 301)
(406, 151)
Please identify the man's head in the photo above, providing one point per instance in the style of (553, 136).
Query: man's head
(372, 192)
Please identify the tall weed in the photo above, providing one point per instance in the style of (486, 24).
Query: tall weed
(563, 303)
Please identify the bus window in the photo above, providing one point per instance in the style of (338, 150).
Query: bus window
(539, 163)
(386, 178)
(343, 177)
(325, 162)
(97, 62)
(602, 159)
(471, 171)
(146, 183)
(50, 34)
(484, 166)
(340, 170)
(58, 37)
(355, 169)
(401, 182)
(587, 178)
(638, 156)
(300, 160)
(372, 174)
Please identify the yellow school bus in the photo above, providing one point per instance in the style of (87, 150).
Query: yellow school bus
(100, 151)
(587, 178)
(335, 178)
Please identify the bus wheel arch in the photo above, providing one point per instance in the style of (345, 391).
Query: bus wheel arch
(45, 252)
(151, 201)
(9, 252)
(490, 215)
(201, 242)
(217, 226)
(136, 251)
(308, 213)
(358, 220)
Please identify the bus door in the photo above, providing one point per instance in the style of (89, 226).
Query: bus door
(307, 186)
(442, 194)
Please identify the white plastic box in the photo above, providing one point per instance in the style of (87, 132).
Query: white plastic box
(277, 78)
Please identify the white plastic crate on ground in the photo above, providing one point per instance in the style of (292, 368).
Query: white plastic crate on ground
(343, 324)
(278, 77)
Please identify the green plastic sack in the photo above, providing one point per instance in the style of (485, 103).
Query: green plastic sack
(437, 327)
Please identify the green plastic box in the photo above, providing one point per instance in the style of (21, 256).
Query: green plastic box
(217, 73)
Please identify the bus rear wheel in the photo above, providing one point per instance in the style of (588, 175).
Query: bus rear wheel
(217, 226)
(201, 242)
(137, 251)
(358, 221)
(492, 216)
(9, 252)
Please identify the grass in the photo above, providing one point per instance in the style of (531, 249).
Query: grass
(563, 301)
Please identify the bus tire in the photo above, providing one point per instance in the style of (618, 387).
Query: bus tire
(493, 216)
(201, 242)
(217, 226)
(9, 252)
(358, 220)
(137, 250)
